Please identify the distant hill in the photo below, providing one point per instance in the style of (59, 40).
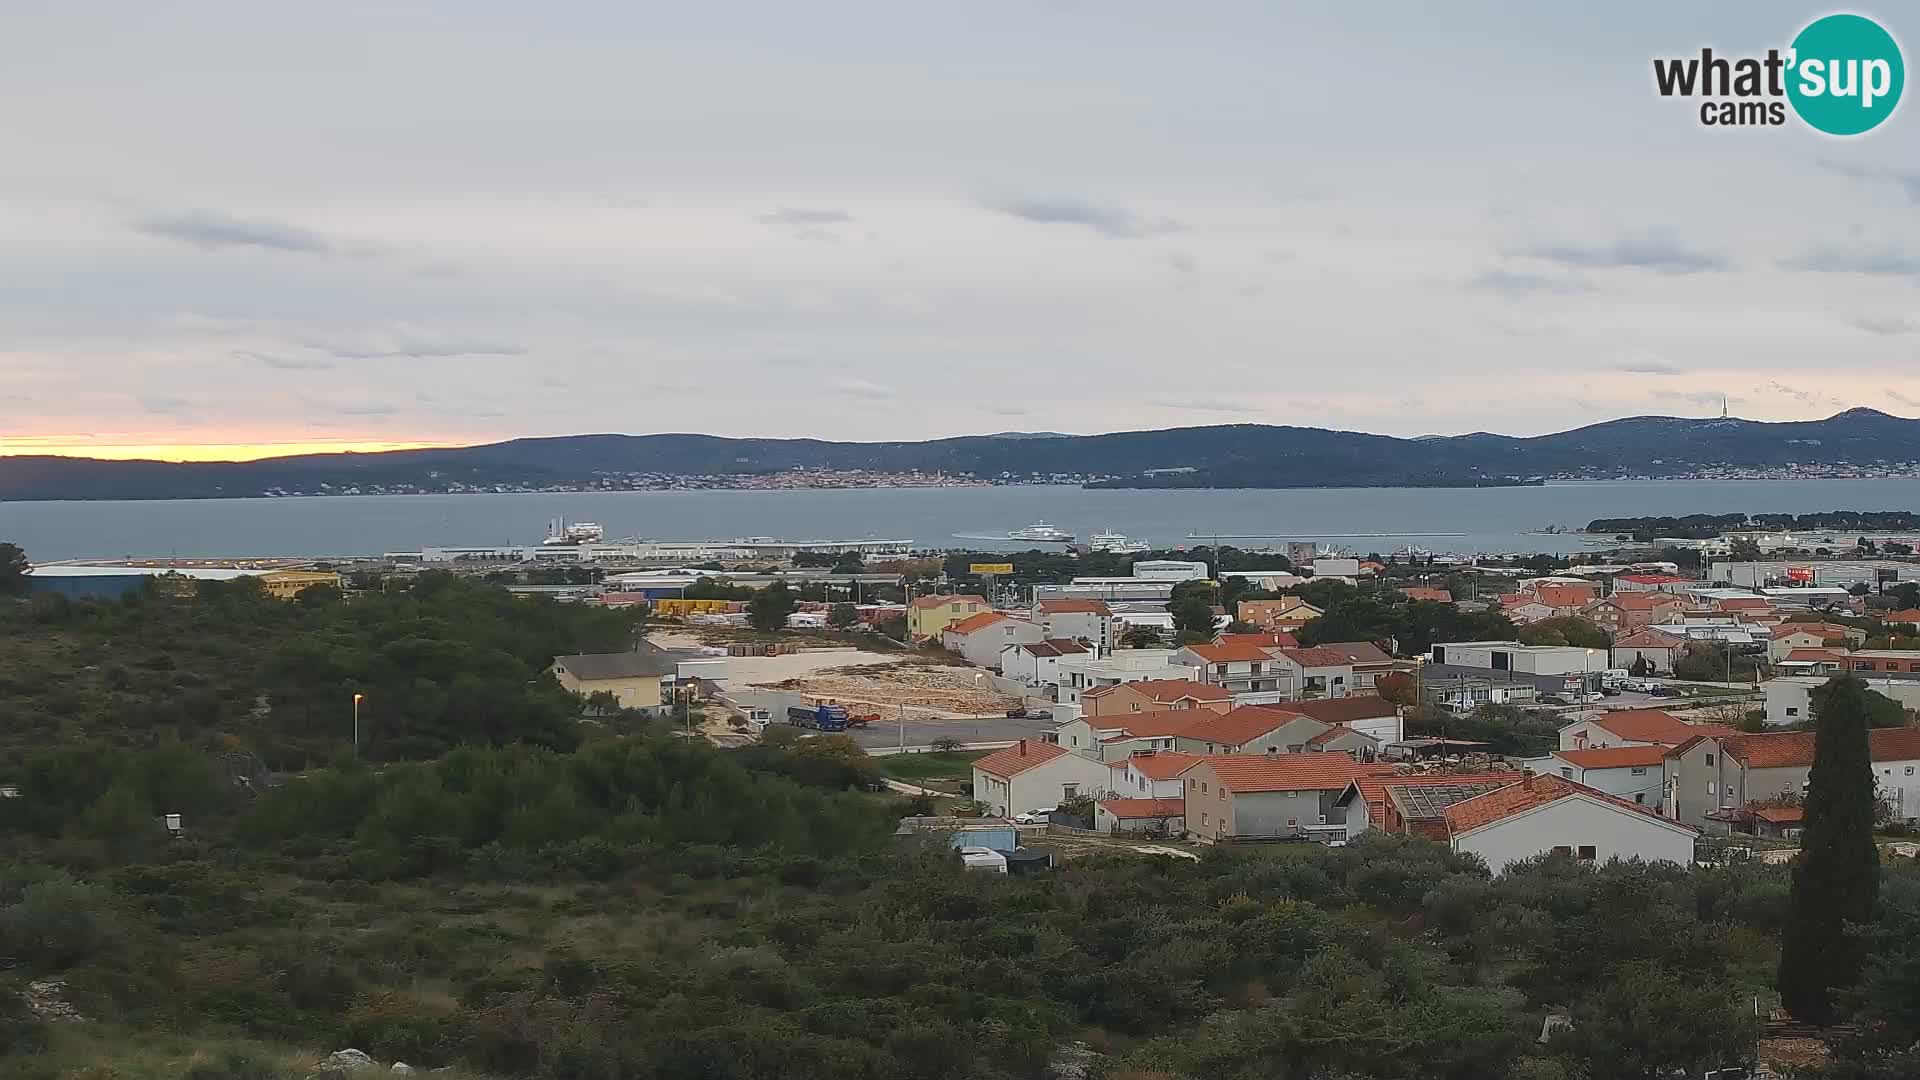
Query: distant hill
(1233, 455)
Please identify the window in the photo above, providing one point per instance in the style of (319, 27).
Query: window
(1203, 817)
(1568, 773)
(1203, 788)
(1562, 850)
(1136, 708)
(1640, 797)
(1587, 853)
(1709, 787)
(1863, 665)
(1191, 784)
(1223, 794)
(1793, 710)
(1639, 771)
(1709, 760)
(1068, 791)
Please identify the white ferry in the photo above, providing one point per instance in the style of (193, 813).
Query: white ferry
(1040, 530)
(1116, 543)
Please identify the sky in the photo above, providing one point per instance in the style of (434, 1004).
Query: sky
(230, 229)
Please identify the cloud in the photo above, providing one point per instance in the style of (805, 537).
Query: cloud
(1697, 397)
(1909, 402)
(799, 216)
(1885, 324)
(1114, 221)
(1658, 250)
(1829, 258)
(1907, 180)
(1648, 364)
(420, 343)
(1515, 283)
(284, 363)
(163, 404)
(1205, 405)
(1804, 397)
(214, 230)
(863, 389)
(1183, 263)
(349, 408)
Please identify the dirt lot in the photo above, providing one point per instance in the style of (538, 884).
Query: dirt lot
(920, 686)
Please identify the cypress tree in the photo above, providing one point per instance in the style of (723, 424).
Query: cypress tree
(1837, 877)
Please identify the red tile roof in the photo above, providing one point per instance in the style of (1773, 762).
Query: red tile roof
(1229, 654)
(1335, 732)
(975, 622)
(1013, 760)
(1565, 595)
(1794, 749)
(1816, 654)
(1417, 592)
(1778, 815)
(1374, 788)
(1073, 607)
(1248, 773)
(1158, 764)
(1905, 615)
(1650, 638)
(1319, 656)
(1238, 726)
(1054, 647)
(1164, 690)
(924, 602)
(1344, 710)
(1535, 791)
(1357, 652)
(1134, 809)
(1614, 757)
(1640, 601)
(1655, 726)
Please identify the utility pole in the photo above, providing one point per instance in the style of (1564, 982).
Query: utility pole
(356, 723)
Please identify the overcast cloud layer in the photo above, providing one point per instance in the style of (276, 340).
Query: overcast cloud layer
(459, 222)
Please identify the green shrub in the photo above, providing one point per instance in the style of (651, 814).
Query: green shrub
(57, 924)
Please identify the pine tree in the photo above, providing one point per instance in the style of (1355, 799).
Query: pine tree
(1837, 877)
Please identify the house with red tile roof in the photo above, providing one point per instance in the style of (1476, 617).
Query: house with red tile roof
(1905, 617)
(1546, 814)
(1412, 804)
(1287, 613)
(1153, 695)
(1626, 612)
(1712, 774)
(1790, 636)
(1421, 592)
(1266, 639)
(980, 638)
(1266, 797)
(1634, 773)
(927, 616)
(1037, 663)
(1239, 668)
(1653, 583)
(1524, 608)
(1141, 817)
(1091, 621)
(1132, 717)
(1031, 774)
(1634, 727)
(1565, 597)
(1150, 774)
(1657, 647)
(1251, 729)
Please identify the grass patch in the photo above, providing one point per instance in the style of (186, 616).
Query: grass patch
(954, 766)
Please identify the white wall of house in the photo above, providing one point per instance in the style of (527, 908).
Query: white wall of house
(1661, 659)
(1077, 625)
(1575, 822)
(1589, 735)
(1027, 669)
(1899, 784)
(1789, 699)
(1043, 785)
(1131, 783)
(1641, 784)
(981, 648)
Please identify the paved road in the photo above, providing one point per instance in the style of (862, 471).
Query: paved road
(924, 732)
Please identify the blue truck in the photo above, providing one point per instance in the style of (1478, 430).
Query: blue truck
(818, 717)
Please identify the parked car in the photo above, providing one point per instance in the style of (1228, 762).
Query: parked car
(1664, 691)
(1018, 712)
(1035, 817)
(1553, 699)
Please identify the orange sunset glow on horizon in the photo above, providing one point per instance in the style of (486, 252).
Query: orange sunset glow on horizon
(83, 447)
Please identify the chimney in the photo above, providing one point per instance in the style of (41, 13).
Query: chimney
(1023, 748)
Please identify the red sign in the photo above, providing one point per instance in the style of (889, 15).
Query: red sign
(1799, 573)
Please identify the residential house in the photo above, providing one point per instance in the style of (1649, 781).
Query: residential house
(1659, 649)
(1080, 674)
(288, 584)
(1634, 773)
(1251, 729)
(1905, 617)
(1238, 669)
(1564, 596)
(1813, 662)
(1143, 817)
(1335, 665)
(1524, 608)
(1260, 797)
(1153, 695)
(1421, 592)
(1286, 613)
(1550, 814)
(1150, 774)
(1368, 714)
(1718, 773)
(1523, 659)
(633, 678)
(1758, 819)
(1091, 621)
(1668, 583)
(980, 638)
(1752, 609)
(928, 616)
(1634, 727)
(1869, 662)
(1029, 775)
(1800, 635)
(1352, 742)
(1790, 697)
(1265, 639)
(1625, 612)
(1413, 804)
(1037, 663)
(1114, 738)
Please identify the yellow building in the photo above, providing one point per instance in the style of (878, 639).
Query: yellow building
(676, 608)
(633, 678)
(287, 584)
(929, 616)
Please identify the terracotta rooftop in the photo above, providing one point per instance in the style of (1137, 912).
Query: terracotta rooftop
(1356, 652)
(1250, 773)
(1073, 607)
(1053, 647)
(1343, 710)
(1614, 757)
(976, 622)
(1794, 749)
(1649, 638)
(1416, 592)
(1779, 815)
(1655, 726)
(1164, 690)
(1815, 655)
(1565, 595)
(1640, 601)
(1013, 760)
(1237, 727)
(1374, 788)
(924, 602)
(1905, 615)
(1530, 793)
(1158, 764)
(1229, 654)
(1134, 809)
(1270, 639)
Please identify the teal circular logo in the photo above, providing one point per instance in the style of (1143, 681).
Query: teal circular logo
(1846, 74)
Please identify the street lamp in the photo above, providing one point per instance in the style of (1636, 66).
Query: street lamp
(357, 698)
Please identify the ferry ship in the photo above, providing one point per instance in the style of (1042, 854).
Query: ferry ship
(1116, 543)
(580, 532)
(1040, 530)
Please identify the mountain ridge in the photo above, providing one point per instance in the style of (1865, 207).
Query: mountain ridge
(1216, 456)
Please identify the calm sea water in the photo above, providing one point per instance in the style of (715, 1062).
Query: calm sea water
(1482, 520)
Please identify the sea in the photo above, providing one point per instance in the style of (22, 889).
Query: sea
(1360, 520)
